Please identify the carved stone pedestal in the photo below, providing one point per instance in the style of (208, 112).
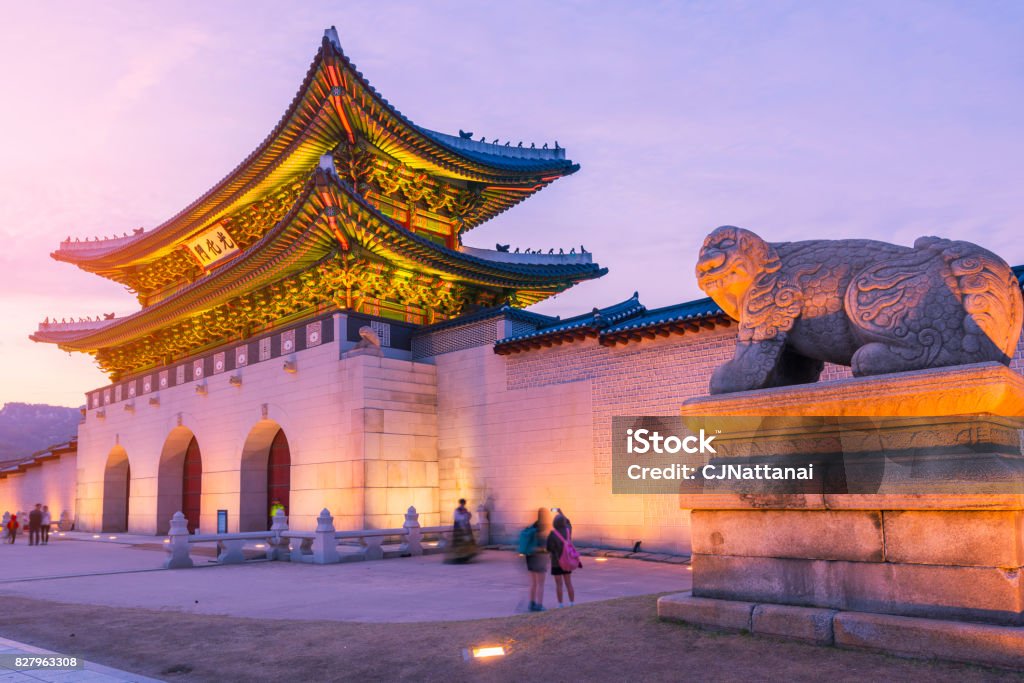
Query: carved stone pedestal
(920, 574)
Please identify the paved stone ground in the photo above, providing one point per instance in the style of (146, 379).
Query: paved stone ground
(91, 673)
(114, 572)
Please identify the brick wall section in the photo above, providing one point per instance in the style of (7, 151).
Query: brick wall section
(506, 442)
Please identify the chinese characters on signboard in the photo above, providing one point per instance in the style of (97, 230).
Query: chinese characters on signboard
(212, 246)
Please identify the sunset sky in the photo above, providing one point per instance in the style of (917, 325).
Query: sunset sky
(795, 119)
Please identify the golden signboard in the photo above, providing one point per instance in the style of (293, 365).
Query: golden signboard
(212, 246)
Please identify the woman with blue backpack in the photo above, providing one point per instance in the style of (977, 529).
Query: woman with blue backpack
(533, 545)
(564, 557)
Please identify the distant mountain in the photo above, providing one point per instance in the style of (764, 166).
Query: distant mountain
(27, 427)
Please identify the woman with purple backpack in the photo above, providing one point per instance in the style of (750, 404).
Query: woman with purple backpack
(564, 557)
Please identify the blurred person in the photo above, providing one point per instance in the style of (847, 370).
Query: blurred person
(35, 524)
(558, 539)
(47, 521)
(275, 505)
(12, 528)
(533, 546)
(463, 548)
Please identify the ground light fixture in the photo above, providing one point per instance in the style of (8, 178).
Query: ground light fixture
(600, 559)
(483, 652)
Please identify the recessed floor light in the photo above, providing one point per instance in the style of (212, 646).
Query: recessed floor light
(484, 652)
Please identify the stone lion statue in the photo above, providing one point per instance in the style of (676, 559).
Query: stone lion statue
(874, 306)
(368, 338)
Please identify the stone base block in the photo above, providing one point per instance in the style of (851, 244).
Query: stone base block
(854, 535)
(809, 624)
(988, 594)
(1001, 646)
(728, 615)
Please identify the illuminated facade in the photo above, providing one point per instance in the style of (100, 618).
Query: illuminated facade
(249, 375)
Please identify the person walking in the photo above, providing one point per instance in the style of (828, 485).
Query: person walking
(561, 534)
(35, 523)
(12, 528)
(47, 521)
(463, 547)
(533, 545)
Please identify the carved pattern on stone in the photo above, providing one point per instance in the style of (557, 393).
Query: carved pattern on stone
(314, 333)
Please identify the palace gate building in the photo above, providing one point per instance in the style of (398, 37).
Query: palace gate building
(312, 330)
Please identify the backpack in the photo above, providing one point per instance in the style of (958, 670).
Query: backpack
(569, 560)
(528, 540)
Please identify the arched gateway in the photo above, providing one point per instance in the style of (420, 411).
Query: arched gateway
(117, 479)
(179, 480)
(265, 475)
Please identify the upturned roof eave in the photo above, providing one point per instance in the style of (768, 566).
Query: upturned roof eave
(192, 216)
(399, 242)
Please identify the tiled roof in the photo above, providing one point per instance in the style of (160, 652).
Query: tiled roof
(688, 310)
(629, 318)
(314, 123)
(299, 240)
(590, 323)
(21, 464)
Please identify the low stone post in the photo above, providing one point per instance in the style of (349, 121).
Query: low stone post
(372, 547)
(65, 521)
(325, 546)
(413, 536)
(177, 548)
(7, 518)
(230, 552)
(483, 535)
(277, 547)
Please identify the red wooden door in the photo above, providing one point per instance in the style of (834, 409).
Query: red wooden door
(127, 493)
(279, 473)
(192, 485)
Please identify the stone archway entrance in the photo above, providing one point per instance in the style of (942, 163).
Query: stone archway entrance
(265, 475)
(117, 481)
(192, 485)
(279, 473)
(179, 480)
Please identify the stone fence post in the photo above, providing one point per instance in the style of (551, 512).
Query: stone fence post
(65, 521)
(325, 546)
(177, 548)
(413, 536)
(7, 518)
(483, 536)
(277, 548)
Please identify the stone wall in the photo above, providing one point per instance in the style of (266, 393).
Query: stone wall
(533, 429)
(51, 482)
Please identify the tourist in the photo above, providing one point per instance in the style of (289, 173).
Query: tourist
(35, 523)
(463, 547)
(12, 528)
(533, 545)
(47, 521)
(561, 533)
(275, 506)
